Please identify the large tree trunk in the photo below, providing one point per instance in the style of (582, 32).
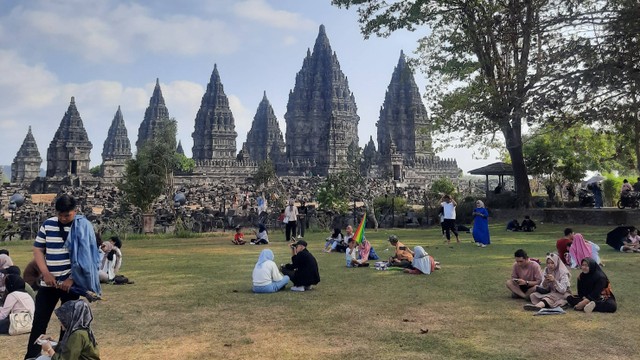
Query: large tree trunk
(520, 177)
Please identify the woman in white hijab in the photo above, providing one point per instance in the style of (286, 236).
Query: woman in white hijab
(266, 275)
(422, 263)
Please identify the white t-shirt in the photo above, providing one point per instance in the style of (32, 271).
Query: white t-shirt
(351, 255)
(291, 213)
(449, 210)
(266, 273)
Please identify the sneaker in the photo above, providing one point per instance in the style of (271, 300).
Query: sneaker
(478, 244)
(297, 288)
(91, 296)
(589, 307)
(531, 307)
(483, 245)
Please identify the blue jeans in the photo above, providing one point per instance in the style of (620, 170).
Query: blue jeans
(273, 287)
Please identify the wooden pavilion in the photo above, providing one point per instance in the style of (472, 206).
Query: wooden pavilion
(499, 169)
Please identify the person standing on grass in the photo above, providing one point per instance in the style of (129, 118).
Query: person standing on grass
(303, 269)
(266, 276)
(449, 211)
(290, 219)
(481, 225)
(525, 276)
(594, 290)
(66, 253)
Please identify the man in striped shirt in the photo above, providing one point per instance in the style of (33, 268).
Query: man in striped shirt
(54, 262)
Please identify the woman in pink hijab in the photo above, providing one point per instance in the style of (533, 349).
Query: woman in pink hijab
(580, 249)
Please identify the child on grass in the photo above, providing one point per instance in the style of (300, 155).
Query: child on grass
(238, 238)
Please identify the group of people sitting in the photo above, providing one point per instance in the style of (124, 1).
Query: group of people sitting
(624, 239)
(302, 271)
(527, 225)
(262, 236)
(551, 288)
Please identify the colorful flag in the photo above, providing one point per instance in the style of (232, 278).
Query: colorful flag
(358, 236)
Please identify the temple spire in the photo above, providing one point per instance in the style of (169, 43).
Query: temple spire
(26, 164)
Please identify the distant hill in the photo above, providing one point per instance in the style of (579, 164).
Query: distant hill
(6, 171)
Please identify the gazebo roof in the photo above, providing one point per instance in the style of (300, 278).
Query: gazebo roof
(499, 168)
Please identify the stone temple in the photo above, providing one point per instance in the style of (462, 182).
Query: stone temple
(321, 135)
(321, 118)
(264, 140)
(214, 136)
(155, 114)
(26, 165)
(404, 134)
(117, 148)
(70, 150)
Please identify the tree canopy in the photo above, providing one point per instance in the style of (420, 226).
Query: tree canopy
(485, 61)
(147, 176)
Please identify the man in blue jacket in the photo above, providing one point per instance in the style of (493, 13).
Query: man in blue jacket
(66, 253)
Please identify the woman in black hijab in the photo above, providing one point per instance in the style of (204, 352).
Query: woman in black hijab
(594, 289)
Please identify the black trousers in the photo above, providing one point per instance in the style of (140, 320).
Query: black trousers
(450, 226)
(290, 229)
(606, 306)
(46, 301)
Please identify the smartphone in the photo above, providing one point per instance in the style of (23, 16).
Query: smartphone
(403, 248)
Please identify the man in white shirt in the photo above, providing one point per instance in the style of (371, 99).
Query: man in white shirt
(449, 212)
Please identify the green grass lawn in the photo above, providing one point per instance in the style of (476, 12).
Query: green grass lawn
(192, 300)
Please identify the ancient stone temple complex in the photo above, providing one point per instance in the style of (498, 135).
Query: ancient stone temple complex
(155, 114)
(321, 114)
(70, 150)
(264, 140)
(321, 135)
(117, 148)
(26, 165)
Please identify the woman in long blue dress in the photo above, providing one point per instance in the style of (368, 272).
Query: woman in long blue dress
(481, 225)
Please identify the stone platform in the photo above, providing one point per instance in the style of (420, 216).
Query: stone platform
(588, 216)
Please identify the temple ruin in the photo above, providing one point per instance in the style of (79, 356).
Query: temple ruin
(26, 165)
(264, 140)
(116, 150)
(155, 114)
(69, 151)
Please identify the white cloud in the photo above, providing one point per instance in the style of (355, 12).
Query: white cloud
(243, 118)
(104, 33)
(262, 12)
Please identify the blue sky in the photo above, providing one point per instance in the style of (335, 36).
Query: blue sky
(109, 53)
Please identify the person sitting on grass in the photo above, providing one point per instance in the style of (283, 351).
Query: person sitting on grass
(513, 225)
(238, 238)
(352, 256)
(14, 270)
(594, 290)
(403, 257)
(17, 300)
(563, 244)
(303, 269)
(366, 251)
(633, 240)
(266, 276)
(262, 236)
(525, 276)
(527, 224)
(422, 263)
(618, 238)
(78, 341)
(111, 260)
(335, 238)
(555, 286)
